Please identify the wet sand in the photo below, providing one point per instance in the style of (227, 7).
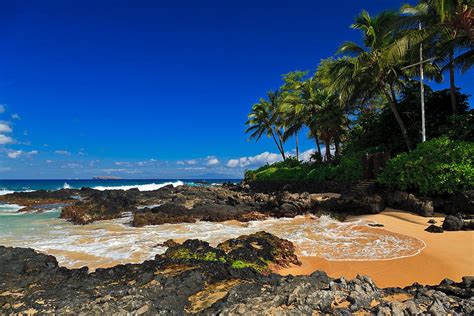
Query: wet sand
(447, 255)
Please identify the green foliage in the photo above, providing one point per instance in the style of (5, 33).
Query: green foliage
(347, 168)
(438, 166)
(377, 128)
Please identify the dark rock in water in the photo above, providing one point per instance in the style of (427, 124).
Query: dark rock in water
(99, 206)
(288, 210)
(170, 213)
(434, 229)
(38, 201)
(453, 223)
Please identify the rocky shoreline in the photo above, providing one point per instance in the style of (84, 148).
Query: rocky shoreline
(235, 277)
(194, 278)
(243, 202)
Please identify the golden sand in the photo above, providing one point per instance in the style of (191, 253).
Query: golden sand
(447, 255)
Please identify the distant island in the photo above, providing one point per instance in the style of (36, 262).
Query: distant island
(106, 178)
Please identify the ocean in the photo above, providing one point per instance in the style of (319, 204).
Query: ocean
(10, 186)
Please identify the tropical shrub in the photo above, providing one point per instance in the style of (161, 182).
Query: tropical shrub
(348, 168)
(438, 166)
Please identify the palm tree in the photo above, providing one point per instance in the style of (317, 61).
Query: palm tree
(448, 25)
(372, 69)
(264, 119)
(333, 112)
(293, 120)
(292, 106)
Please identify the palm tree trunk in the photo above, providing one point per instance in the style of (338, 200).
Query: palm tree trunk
(393, 106)
(337, 151)
(282, 153)
(280, 139)
(297, 147)
(452, 86)
(327, 143)
(318, 146)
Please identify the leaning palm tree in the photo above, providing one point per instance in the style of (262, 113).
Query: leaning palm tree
(264, 119)
(371, 70)
(448, 28)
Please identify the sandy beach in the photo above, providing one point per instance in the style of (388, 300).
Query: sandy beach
(447, 255)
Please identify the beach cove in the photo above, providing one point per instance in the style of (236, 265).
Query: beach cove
(399, 253)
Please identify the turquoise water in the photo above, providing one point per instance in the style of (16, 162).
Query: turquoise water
(26, 224)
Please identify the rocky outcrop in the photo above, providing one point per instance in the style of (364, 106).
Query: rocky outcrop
(409, 202)
(434, 229)
(99, 206)
(309, 186)
(458, 222)
(37, 201)
(260, 251)
(453, 223)
(346, 204)
(204, 283)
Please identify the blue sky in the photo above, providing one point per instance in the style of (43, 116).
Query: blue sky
(153, 89)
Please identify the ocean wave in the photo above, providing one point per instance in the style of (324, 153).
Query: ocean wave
(10, 208)
(140, 187)
(5, 191)
(66, 186)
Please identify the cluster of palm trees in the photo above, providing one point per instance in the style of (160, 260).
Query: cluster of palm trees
(375, 72)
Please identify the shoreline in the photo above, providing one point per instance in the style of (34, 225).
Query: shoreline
(447, 255)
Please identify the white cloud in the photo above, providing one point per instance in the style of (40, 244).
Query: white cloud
(212, 161)
(233, 163)
(49, 161)
(14, 154)
(306, 155)
(258, 160)
(72, 165)
(112, 170)
(2, 108)
(63, 152)
(15, 116)
(93, 163)
(18, 153)
(135, 163)
(5, 139)
(5, 128)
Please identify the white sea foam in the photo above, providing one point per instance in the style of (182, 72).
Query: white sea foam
(6, 191)
(10, 208)
(66, 185)
(141, 187)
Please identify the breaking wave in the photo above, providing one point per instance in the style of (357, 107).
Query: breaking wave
(141, 187)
